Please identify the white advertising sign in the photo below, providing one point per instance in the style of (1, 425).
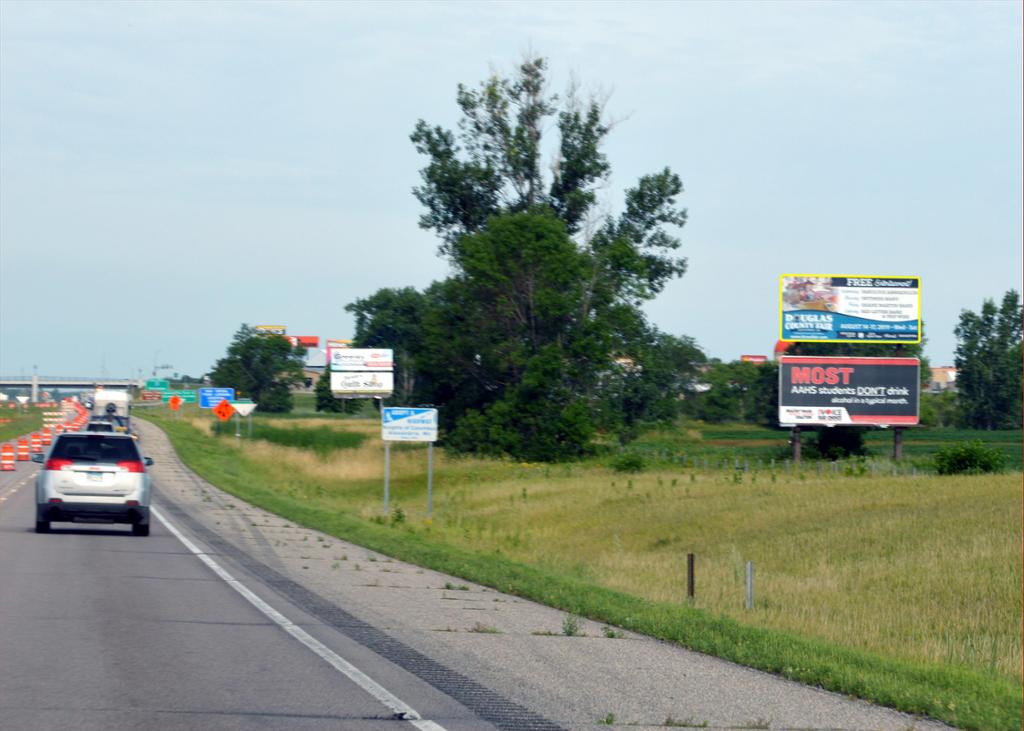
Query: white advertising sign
(362, 384)
(403, 424)
(361, 359)
(21, 399)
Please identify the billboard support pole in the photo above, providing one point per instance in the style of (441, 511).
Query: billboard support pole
(795, 439)
(897, 443)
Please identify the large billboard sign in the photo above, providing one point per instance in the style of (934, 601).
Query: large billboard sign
(366, 384)
(361, 359)
(844, 309)
(272, 329)
(848, 391)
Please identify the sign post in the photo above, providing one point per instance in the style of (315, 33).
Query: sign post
(407, 424)
(245, 407)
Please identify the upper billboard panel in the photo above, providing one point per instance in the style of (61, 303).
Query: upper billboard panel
(272, 329)
(361, 359)
(849, 309)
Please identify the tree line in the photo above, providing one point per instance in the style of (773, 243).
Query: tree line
(537, 342)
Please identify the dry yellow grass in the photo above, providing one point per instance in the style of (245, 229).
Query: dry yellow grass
(925, 568)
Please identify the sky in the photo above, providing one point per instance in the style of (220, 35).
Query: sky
(171, 170)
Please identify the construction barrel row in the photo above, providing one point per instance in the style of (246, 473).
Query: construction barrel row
(21, 449)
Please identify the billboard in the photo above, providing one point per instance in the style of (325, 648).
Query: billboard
(272, 329)
(843, 309)
(361, 359)
(306, 341)
(362, 384)
(848, 391)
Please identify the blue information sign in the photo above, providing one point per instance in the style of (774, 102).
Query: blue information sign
(210, 397)
(405, 424)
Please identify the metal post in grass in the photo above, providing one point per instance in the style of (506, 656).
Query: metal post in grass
(750, 584)
(690, 560)
(387, 475)
(430, 479)
(795, 440)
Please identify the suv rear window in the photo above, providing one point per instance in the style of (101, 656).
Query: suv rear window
(99, 426)
(95, 448)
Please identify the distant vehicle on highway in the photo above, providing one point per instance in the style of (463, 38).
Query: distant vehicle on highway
(93, 477)
(99, 426)
(114, 405)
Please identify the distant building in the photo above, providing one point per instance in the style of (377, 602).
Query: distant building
(943, 378)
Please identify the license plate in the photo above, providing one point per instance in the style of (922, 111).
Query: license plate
(96, 477)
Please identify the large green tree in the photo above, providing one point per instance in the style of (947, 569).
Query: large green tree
(261, 366)
(988, 361)
(537, 338)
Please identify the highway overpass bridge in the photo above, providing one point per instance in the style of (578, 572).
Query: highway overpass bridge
(35, 384)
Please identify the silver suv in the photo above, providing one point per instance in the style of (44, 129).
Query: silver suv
(93, 477)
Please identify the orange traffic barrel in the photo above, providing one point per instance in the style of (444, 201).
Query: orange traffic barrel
(22, 453)
(59, 428)
(47, 436)
(7, 457)
(36, 442)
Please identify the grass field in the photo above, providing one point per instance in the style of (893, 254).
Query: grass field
(717, 445)
(923, 570)
(20, 423)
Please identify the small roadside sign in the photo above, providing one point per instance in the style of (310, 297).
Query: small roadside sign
(210, 397)
(150, 395)
(224, 410)
(404, 424)
(244, 406)
(174, 402)
(408, 424)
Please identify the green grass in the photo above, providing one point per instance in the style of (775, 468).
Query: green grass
(20, 423)
(585, 540)
(321, 441)
(696, 444)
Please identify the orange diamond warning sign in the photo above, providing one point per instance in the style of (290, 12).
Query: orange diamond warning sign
(174, 402)
(224, 410)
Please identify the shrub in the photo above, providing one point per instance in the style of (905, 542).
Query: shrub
(627, 462)
(968, 458)
(839, 442)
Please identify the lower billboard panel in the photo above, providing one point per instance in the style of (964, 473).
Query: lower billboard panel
(369, 384)
(848, 391)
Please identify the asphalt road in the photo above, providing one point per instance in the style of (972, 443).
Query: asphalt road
(227, 617)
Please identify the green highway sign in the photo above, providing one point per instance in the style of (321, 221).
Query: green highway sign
(189, 397)
(157, 384)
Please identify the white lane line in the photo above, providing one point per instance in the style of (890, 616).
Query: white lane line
(343, 666)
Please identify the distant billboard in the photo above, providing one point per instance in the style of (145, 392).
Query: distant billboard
(753, 358)
(306, 341)
(272, 329)
(366, 384)
(361, 359)
(843, 309)
(848, 391)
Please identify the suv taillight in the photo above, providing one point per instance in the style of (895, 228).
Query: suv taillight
(132, 466)
(58, 464)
